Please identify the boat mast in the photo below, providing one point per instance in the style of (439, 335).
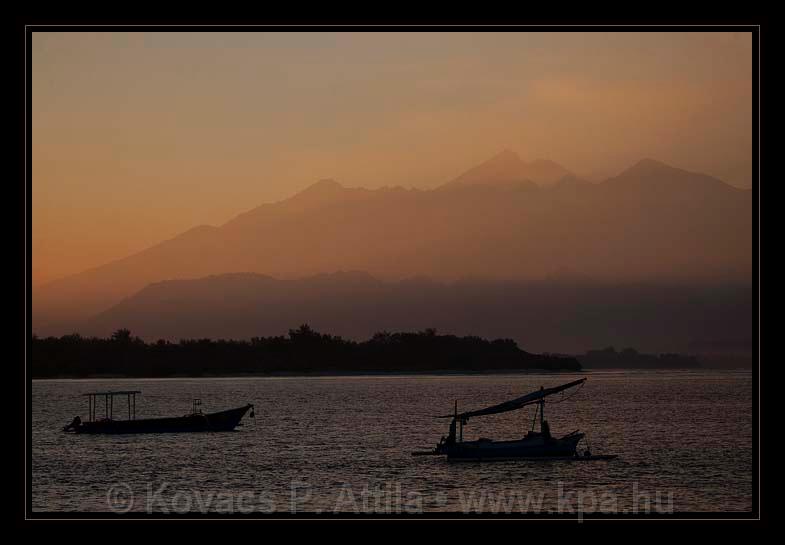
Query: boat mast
(534, 420)
(460, 422)
(542, 409)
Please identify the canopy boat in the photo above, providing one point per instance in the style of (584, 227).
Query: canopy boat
(196, 421)
(536, 445)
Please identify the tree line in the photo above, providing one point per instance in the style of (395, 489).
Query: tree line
(303, 350)
(629, 358)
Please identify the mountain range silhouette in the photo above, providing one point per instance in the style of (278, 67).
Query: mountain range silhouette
(505, 221)
(557, 315)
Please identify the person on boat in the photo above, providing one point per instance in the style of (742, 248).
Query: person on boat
(445, 442)
(75, 423)
(546, 429)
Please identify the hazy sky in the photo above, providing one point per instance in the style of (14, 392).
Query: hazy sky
(140, 136)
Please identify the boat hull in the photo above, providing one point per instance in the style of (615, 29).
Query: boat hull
(527, 448)
(219, 421)
(573, 458)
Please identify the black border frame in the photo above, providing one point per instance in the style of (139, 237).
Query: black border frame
(25, 153)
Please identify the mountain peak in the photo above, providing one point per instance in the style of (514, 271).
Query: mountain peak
(649, 167)
(652, 173)
(506, 168)
(325, 188)
(325, 184)
(647, 163)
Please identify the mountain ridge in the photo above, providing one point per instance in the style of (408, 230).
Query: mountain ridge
(507, 167)
(700, 226)
(545, 315)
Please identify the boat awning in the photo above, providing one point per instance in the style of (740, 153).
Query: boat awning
(517, 403)
(115, 393)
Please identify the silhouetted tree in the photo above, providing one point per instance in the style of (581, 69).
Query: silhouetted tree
(303, 350)
(382, 337)
(122, 336)
(303, 332)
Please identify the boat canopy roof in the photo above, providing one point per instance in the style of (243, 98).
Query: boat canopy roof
(114, 393)
(517, 403)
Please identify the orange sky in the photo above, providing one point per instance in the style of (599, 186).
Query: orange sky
(140, 136)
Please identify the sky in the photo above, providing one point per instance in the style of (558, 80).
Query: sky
(140, 136)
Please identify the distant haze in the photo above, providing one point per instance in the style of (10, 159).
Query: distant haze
(568, 191)
(555, 259)
(568, 315)
(139, 137)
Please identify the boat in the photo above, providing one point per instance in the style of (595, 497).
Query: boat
(195, 421)
(535, 445)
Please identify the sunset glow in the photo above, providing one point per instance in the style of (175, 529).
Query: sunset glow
(138, 137)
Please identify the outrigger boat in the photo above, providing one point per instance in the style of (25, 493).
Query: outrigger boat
(196, 421)
(536, 445)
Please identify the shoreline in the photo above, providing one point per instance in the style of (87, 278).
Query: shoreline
(329, 374)
(319, 374)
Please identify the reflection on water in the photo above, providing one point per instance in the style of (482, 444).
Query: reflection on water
(343, 443)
